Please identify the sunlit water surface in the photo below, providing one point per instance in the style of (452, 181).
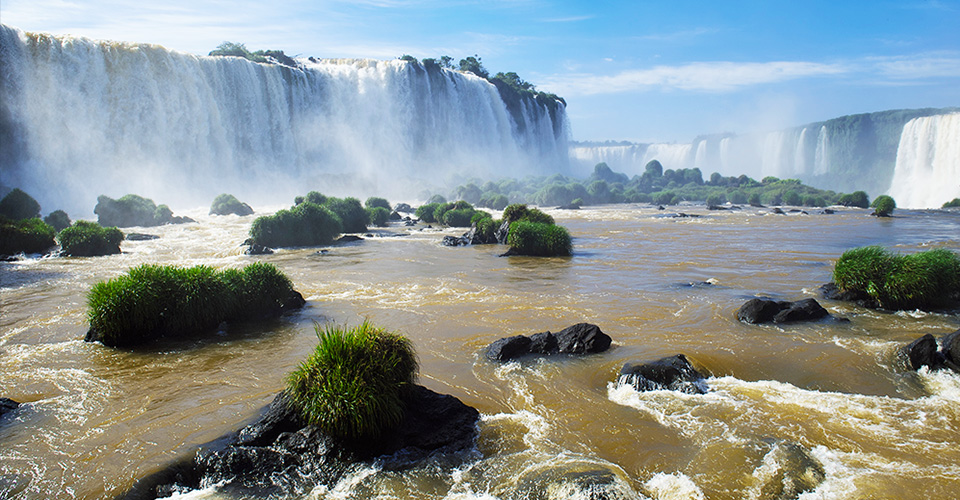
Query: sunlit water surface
(97, 418)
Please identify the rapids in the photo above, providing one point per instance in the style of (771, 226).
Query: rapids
(97, 418)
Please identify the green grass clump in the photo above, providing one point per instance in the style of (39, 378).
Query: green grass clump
(225, 204)
(131, 210)
(89, 239)
(306, 224)
(378, 216)
(352, 384)
(519, 211)
(917, 281)
(883, 206)
(539, 239)
(26, 236)
(152, 301)
(351, 213)
(425, 212)
(458, 217)
(375, 201)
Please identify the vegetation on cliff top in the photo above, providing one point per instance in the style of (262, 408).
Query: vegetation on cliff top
(352, 385)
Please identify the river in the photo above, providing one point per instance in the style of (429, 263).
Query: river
(98, 418)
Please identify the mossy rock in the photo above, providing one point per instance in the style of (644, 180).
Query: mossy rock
(226, 204)
(539, 239)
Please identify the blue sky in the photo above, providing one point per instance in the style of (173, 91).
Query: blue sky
(629, 70)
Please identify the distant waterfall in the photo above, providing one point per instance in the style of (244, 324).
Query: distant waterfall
(79, 118)
(927, 173)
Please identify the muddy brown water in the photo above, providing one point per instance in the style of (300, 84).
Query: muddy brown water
(97, 418)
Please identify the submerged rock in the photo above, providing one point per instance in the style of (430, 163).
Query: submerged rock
(576, 480)
(674, 373)
(141, 237)
(833, 292)
(257, 249)
(764, 310)
(581, 338)
(786, 471)
(280, 455)
(347, 238)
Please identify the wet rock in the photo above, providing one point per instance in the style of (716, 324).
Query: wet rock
(764, 310)
(256, 249)
(682, 215)
(578, 339)
(395, 216)
(922, 352)
(403, 207)
(7, 405)
(587, 481)
(833, 292)
(502, 232)
(279, 455)
(347, 238)
(757, 205)
(715, 207)
(950, 349)
(674, 373)
(141, 237)
(778, 211)
(826, 211)
(787, 471)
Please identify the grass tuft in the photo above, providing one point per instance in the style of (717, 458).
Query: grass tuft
(922, 280)
(89, 239)
(539, 239)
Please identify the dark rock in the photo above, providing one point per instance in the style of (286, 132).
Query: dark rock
(796, 211)
(682, 215)
(279, 455)
(403, 207)
(674, 373)
(347, 238)
(778, 211)
(582, 338)
(715, 207)
(833, 292)
(660, 207)
(509, 348)
(181, 219)
(141, 237)
(293, 302)
(922, 352)
(763, 310)
(796, 471)
(7, 405)
(757, 205)
(736, 207)
(256, 249)
(455, 241)
(583, 480)
(502, 232)
(544, 343)
(950, 349)
(571, 206)
(827, 211)
(395, 216)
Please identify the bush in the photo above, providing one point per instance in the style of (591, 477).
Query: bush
(487, 229)
(519, 211)
(313, 197)
(437, 199)
(352, 385)
(952, 203)
(131, 210)
(26, 236)
(226, 204)
(89, 239)
(917, 281)
(792, 198)
(883, 206)
(458, 217)
(539, 239)
(351, 213)
(58, 219)
(18, 205)
(716, 199)
(151, 301)
(378, 216)
(377, 202)
(425, 212)
(306, 224)
(854, 199)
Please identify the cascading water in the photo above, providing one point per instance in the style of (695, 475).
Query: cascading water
(927, 174)
(80, 118)
(821, 159)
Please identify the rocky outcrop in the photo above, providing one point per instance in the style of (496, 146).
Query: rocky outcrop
(579, 339)
(674, 373)
(281, 455)
(7, 405)
(764, 310)
(257, 249)
(927, 351)
(833, 292)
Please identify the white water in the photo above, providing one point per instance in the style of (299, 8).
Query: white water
(87, 117)
(928, 162)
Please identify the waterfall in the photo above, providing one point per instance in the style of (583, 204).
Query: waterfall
(821, 157)
(80, 118)
(927, 173)
(800, 154)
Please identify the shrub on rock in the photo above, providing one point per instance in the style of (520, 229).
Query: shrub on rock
(25, 236)
(153, 301)
(917, 281)
(373, 202)
(89, 239)
(225, 204)
(58, 219)
(539, 239)
(351, 213)
(134, 210)
(883, 206)
(378, 216)
(303, 225)
(351, 386)
(18, 205)
(425, 212)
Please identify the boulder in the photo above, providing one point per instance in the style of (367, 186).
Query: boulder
(347, 238)
(950, 349)
(833, 292)
(279, 455)
(764, 310)
(674, 373)
(257, 249)
(403, 207)
(141, 237)
(579, 339)
(395, 216)
(788, 470)
(7, 405)
(922, 352)
(502, 232)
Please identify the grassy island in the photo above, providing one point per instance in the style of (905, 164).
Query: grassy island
(89, 239)
(352, 384)
(25, 236)
(153, 301)
(922, 280)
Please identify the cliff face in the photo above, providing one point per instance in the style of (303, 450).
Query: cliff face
(182, 128)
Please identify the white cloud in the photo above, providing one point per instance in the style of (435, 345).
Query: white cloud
(720, 76)
(921, 67)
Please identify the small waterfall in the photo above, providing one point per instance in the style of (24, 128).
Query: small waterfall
(927, 172)
(80, 118)
(821, 158)
(701, 156)
(800, 154)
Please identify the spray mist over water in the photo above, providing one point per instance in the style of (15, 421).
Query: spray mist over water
(80, 118)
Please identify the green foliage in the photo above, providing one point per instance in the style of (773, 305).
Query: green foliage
(495, 201)
(89, 239)
(351, 213)
(131, 210)
(952, 203)
(715, 199)
(474, 65)
(25, 235)
(18, 205)
(855, 199)
(374, 201)
(233, 49)
(313, 197)
(352, 385)
(921, 280)
(58, 219)
(151, 301)
(539, 239)
(792, 198)
(458, 217)
(225, 204)
(883, 206)
(436, 199)
(518, 211)
(378, 216)
(408, 58)
(425, 212)
(306, 224)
